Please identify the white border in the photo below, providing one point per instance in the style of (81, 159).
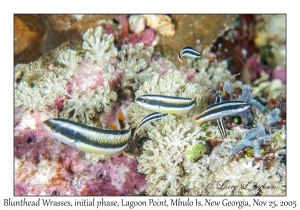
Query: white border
(153, 6)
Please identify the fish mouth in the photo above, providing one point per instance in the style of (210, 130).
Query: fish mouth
(47, 123)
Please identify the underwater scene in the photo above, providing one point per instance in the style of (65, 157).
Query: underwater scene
(151, 104)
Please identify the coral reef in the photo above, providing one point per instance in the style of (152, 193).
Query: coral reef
(99, 48)
(109, 61)
(36, 35)
(271, 39)
(235, 178)
(161, 143)
(161, 23)
(73, 175)
(136, 65)
(199, 31)
(170, 84)
(250, 140)
(44, 166)
(164, 171)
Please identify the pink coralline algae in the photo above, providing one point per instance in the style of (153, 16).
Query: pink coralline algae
(254, 66)
(147, 36)
(190, 74)
(118, 176)
(164, 66)
(123, 20)
(45, 166)
(58, 103)
(89, 77)
(279, 73)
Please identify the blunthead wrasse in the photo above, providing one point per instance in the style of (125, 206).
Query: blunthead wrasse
(87, 138)
(188, 52)
(147, 119)
(222, 109)
(220, 120)
(166, 104)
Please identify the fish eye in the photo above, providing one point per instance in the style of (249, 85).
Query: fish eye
(55, 128)
(144, 101)
(242, 106)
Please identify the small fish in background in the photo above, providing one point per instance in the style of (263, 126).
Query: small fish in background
(166, 104)
(221, 109)
(188, 52)
(114, 120)
(147, 119)
(220, 120)
(87, 138)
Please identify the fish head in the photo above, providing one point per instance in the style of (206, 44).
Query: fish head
(243, 106)
(146, 102)
(52, 125)
(57, 128)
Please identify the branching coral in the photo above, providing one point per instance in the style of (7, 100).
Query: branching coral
(171, 84)
(161, 23)
(253, 138)
(164, 154)
(83, 87)
(81, 108)
(31, 72)
(195, 176)
(137, 65)
(42, 95)
(100, 48)
(234, 177)
(269, 89)
(69, 61)
(169, 136)
(209, 73)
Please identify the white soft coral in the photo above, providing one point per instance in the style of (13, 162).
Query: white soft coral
(100, 47)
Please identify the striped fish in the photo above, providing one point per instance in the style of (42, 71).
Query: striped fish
(147, 119)
(222, 109)
(87, 138)
(166, 104)
(220, 120)
(188, 52)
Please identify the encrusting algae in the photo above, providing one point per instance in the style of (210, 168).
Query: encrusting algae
(98, 90)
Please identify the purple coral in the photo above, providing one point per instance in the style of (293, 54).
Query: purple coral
(252, 138)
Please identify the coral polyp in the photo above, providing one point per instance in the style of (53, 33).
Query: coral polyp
(158, 127)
